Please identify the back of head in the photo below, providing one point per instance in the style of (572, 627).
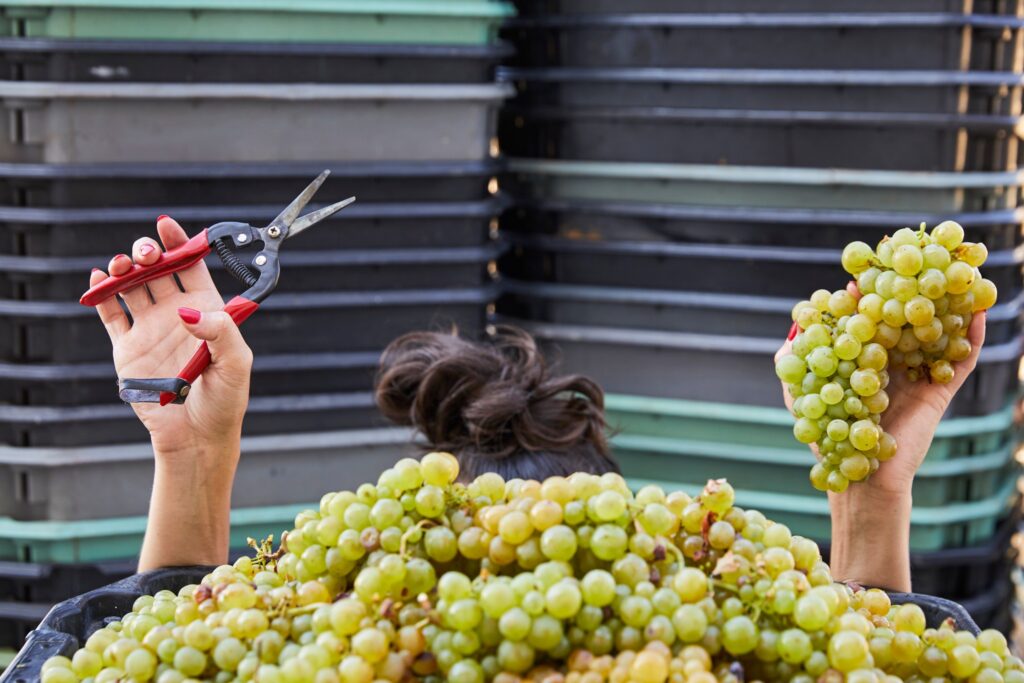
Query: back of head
(495, 405)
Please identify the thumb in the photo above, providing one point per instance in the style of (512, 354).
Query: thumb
(227, 347)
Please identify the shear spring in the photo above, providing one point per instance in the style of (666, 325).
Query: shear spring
(234, 265)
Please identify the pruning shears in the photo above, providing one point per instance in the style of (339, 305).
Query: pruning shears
(260, 276)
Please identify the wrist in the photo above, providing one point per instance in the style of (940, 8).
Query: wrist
(218, 451)
(871, 536)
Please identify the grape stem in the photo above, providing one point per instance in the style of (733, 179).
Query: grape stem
(419, 526)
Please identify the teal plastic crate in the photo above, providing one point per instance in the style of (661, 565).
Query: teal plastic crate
(97, 540)
(764, 427)
(949, 526)
(768, 186)
(785, 470)
(453, 22)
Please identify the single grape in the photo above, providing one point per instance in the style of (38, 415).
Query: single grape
(907, 260)
(948, 234)
(857, 257)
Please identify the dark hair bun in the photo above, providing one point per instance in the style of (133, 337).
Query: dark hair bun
(494, 399)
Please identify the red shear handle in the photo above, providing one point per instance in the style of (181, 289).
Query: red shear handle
(239, 309)
(176, 259)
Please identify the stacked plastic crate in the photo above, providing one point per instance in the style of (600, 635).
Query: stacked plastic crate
(117, 111)
(683, 179)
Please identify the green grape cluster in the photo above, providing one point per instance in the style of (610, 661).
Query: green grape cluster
(917, 294)
(570, 580)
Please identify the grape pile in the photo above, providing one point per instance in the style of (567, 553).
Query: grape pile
(918, 293)
(573, 580)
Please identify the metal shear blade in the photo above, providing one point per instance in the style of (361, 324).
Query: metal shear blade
(314, 217)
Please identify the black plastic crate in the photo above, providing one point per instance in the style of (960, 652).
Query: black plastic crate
(28, 582)
(932, 92)
(88, 232)
(993, 608)
(37, 278)
(82, 186)
(309, 322)
(70, 623)
(589, 7)
(78, 384)
(695, 312)
(733, 269)
(116, 423)
(614, 221)
(887, 141)
(721, 368)
(106, 61)
(824, 40)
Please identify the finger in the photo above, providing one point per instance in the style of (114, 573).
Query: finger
(788, 345)
(854, 290)
(119, 265)
(146, 252)
(195, 277)
(976, 335)
(228, 349)
(110, 311)
(136, 298)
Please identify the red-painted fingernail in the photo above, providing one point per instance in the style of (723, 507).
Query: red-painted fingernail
(95, 270)
(145, 249)
(189, 315)
(161, 217)
(792, 332)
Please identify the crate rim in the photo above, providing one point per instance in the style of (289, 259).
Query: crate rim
(796, 457)
(285, 300)
(818, 255)
(37, 45)
(75, 216)
(779, 117)
(764, 77)
(825, 177)
(1006, 351)
(23, 91)
(51, 457)
(769, 215)
(1002, 311)
(630, 403)
(769, 20)
(320, 257)
(246, 169)
(380, 7)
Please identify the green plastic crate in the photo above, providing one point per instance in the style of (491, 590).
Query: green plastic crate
(767, 186)
(763, 427)
(453, 22)
(950, 526)
(785, 470)
(96, 540)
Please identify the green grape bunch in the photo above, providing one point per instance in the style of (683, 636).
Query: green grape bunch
(422, 578)
(918, 294)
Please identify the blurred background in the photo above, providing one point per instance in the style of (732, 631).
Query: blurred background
(646, 192)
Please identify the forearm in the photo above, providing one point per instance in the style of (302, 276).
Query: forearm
(190, 507)
(871, 538)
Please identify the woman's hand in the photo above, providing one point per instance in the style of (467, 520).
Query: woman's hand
(871, 519)
(158, 342)
(196, 445)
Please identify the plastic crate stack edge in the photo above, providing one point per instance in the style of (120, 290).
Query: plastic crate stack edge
(680, 174)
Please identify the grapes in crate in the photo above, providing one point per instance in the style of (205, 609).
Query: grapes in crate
(909, 313)
(570, 580)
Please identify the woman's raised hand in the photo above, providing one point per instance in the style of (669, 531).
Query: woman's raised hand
(913, 415)
(871, 519)
(164, 330)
